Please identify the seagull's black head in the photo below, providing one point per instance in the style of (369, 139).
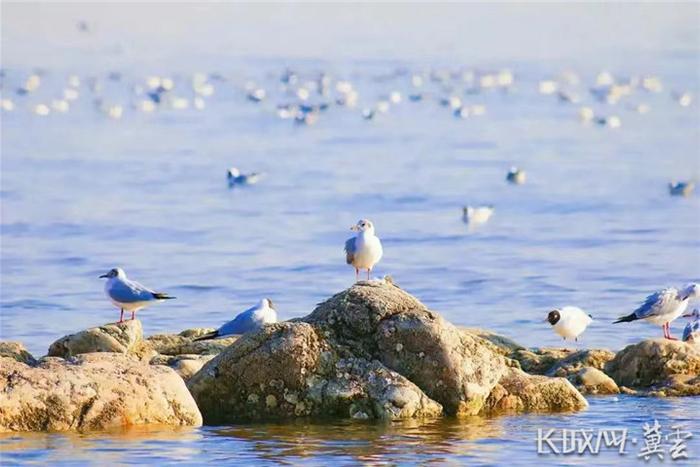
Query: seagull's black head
(553, 317)
(112, 273)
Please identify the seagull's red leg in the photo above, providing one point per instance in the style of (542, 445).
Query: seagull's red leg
(357, 274)
(668, 330)
(121, 316)
(133, 313)
(368, 270)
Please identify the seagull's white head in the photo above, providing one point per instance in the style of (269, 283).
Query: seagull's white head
(115, 272)
(691, 291)
(266, 302)
(363, 225)
(233, 172)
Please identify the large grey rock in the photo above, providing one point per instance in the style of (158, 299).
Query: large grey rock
(93, 391)
(370, 351)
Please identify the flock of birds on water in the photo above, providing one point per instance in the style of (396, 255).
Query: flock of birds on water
(304, 98)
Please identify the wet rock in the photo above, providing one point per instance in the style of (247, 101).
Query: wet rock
(17, 351)
(372, 351)
(183, 343)
(539, 360)
(590, 380)
(125, 338)
(518, 391)
(93, 391)
(574, 362)
(658, 367)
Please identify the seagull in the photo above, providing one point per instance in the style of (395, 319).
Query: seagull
(364, 250)
(235, 177)
(129, 295)
(691, 333)
(252, 318)
(476, 215)
(569, 321)
(664, 306)
(681, 188)
(516, 176)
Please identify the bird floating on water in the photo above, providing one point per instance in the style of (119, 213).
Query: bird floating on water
(681, 188)
(253, 318)
(664, 306)
(691, 333)
(235, 177)
(516, 176)
(569, 321)
(364, 250)
(477, 215)
(129, 295)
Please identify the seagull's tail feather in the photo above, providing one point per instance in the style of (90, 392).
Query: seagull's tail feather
(626, 319)
(209, 335)
(162, 296)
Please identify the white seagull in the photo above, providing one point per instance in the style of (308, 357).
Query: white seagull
(129, 295)
(569, 321)
(681, 188)
(364, 250)
(691, 333)
(252, 318)
(476, 215)
(664, 306)
(235, 177)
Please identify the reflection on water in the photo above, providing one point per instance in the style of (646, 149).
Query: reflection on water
(475, 440)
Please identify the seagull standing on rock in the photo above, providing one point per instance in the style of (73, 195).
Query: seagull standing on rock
(129, 295)
(569, 321)
(664, 306)
(364, 250)
(248, 320)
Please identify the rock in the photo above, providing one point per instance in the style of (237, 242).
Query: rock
(181, 344)
(539, 360)
(590, 380)
(372, 351)
(576, 361)
(93, 391)
(663, 367)
(287, 370)
(518, 391)
(125, 338)
(17, 351)
(184, 365)
(504, 345)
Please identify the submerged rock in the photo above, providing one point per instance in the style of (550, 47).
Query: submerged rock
(91, 392)
(372, 351)
(125, 337)
(183, 343)
(658, 367)
(16, 351)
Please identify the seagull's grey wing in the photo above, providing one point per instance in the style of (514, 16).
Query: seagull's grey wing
(129, 292)
(242, 323)
(691, 329)
(656, 304)
(350, 250)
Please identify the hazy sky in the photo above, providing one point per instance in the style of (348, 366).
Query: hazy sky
(130, 34)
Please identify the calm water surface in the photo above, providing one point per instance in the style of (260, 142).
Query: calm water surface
(593, 226)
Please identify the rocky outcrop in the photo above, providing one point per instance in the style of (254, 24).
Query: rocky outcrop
(93, 391)
(590, 380)
(125, 338)
(372, 351)
(658, 367)
(184, 344)
(184, 365)
(16, 351)
(519, 392)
